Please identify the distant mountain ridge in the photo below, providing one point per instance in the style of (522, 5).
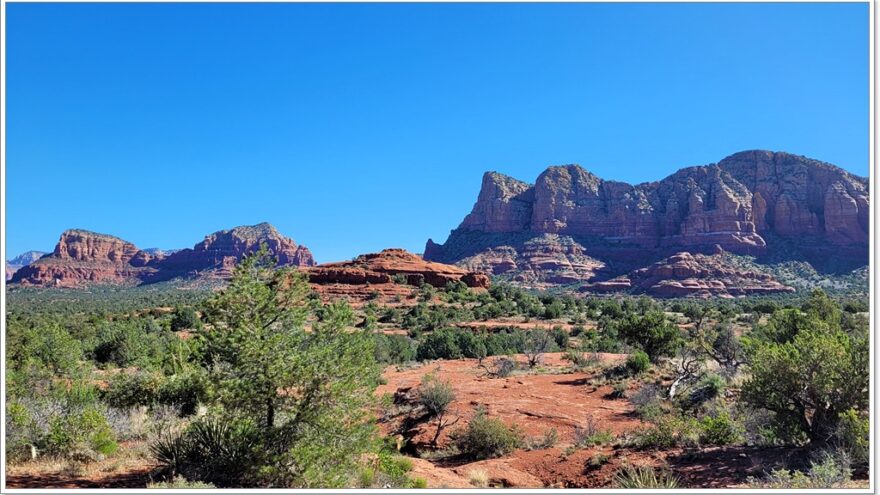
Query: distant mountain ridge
(83, 257)
(21, 260)
(571, 226)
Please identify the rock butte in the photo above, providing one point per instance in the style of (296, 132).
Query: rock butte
(572, 227)
(390, 272)
(82, 257)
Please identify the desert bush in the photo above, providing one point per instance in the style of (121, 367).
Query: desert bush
(638, 362)
(651, 332)
(185, 318)
(853, 436)
(546, 441)
(809, 380)
(394, 349)
(436, 397)
(643, 477)
(486, 438)
(719, 429)
(442, 344)
(590, 434)
(502, 367)
(80, 432)
(668, 431)
(560, 336)
(829, 472)
(647, 401)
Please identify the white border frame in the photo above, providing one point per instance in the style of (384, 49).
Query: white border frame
(872, 275)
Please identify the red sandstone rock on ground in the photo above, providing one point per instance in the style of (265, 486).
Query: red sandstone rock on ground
(686, 274)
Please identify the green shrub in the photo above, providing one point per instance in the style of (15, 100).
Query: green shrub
(719, 429)
(651, 332)
(853, 436)
(185, 318)
(441, 344)
(486, 438)
(638, 362)
(668, 431)
(394, 349)
(829, 472)
(560, 336)
(80, 431)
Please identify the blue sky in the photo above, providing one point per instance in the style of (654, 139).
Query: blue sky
(354, 128)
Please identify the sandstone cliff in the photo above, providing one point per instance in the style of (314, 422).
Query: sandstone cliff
(82, 257)
(761, 203)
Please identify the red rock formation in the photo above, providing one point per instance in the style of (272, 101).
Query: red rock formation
(686, 274)
(754, 202)
(218, 253)
(545, 260)
(381, 272)
(83, 257)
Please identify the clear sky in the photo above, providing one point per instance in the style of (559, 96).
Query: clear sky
(354, 128)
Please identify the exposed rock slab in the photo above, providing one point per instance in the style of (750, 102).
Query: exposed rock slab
(686, 274)
(388, 272)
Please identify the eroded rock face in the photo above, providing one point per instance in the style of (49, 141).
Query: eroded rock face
(219, 252)
(754, 203)
(549, 259)
(83, 257)
(685, 274)
(385, 272)
(21, 260)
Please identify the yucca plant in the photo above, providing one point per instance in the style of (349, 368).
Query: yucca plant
(644, 477)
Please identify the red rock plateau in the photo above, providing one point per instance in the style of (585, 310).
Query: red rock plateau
(82, 257)
(761, 203)
(392, 272)
(697, 275)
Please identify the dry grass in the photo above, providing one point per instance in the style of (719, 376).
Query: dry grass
(131, 456)
(479, 478)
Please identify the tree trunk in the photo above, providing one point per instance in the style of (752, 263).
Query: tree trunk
(270, 413)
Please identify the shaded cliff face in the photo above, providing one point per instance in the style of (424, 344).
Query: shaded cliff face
(82, 257)
(755, 202)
